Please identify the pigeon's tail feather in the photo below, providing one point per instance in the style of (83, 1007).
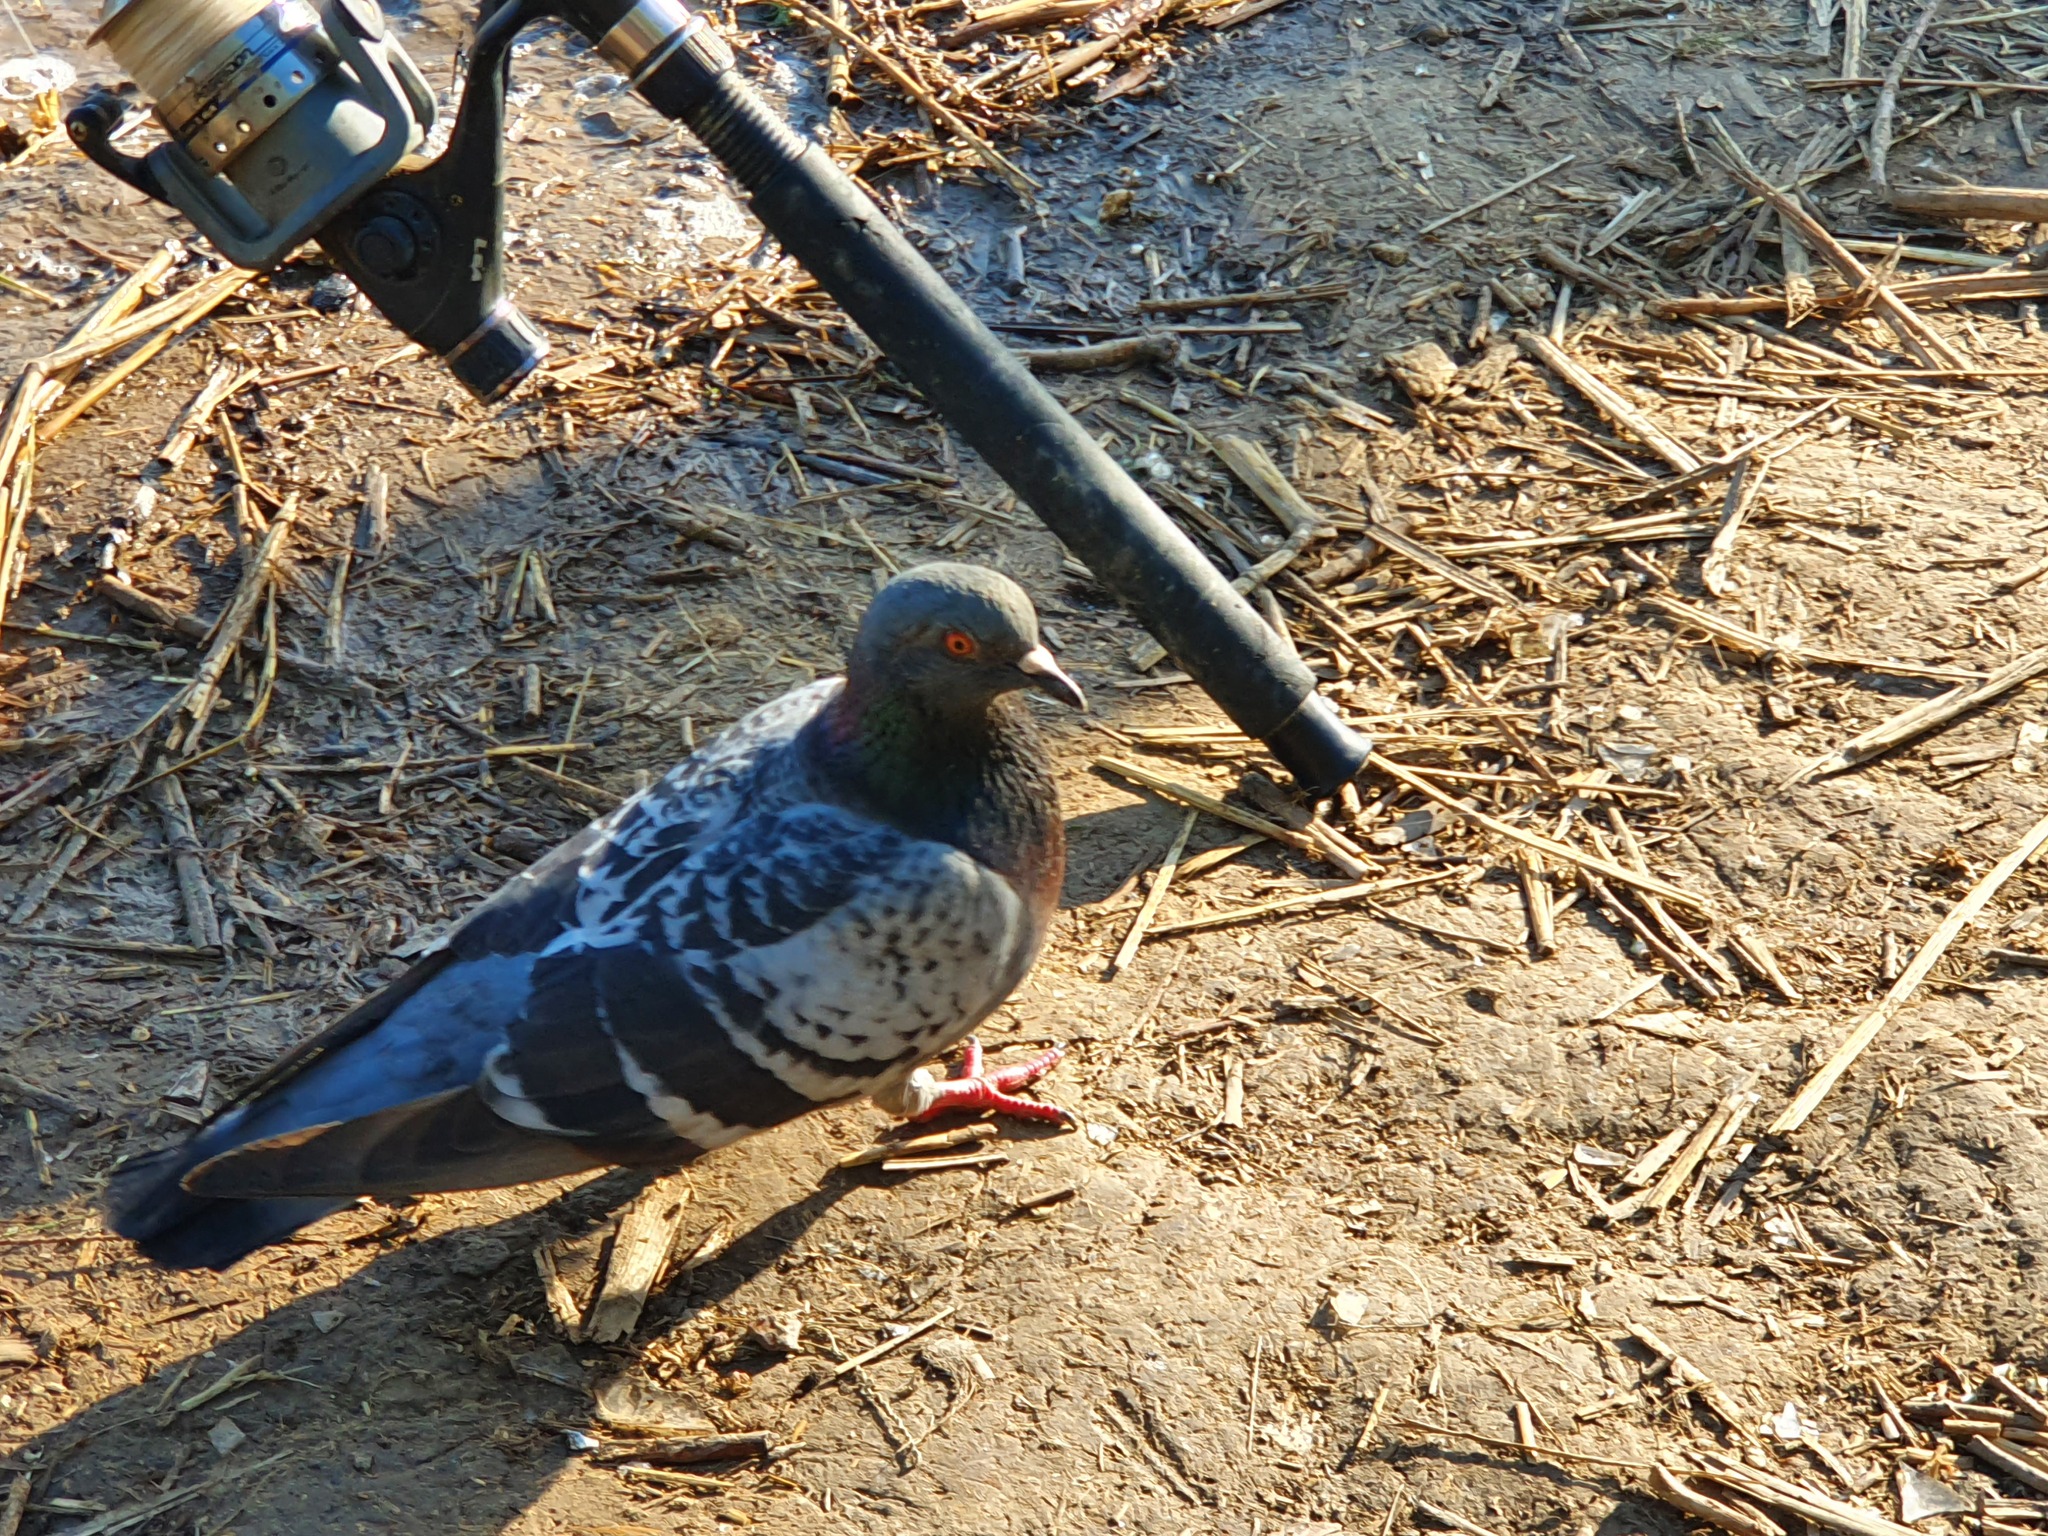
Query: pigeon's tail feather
(178, 1230)
(445, 1142)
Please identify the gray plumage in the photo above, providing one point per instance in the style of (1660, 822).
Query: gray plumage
(834, 891)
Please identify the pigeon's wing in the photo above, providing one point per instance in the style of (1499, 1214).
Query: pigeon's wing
(400, 1066)
(641, 841)
(799, 957)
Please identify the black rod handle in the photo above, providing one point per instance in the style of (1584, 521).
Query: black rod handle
(829, 225)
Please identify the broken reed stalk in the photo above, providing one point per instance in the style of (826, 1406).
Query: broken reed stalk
(192, 627)
(203, 694)
(1929, 955)
(1493, 197)
(1673, 1490)
(1608, 401)
(119, 302)
(1018, 16)
(1910, 724)
(1811, 1505)
(1888, 96)
(1743, 488)
(1149, 653)
(1536, 895)
(1748, 641)
(1159, 783)
(115, 784)
(203, 300)
(1914, 334)
(1135, 934)
(1308, 901)
(1017, 181)
(119, 333)
(647, 1233)
(15, 1505)
(202, 922)
(1605, 868)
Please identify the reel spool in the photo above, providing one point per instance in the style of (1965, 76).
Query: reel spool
(280, 113)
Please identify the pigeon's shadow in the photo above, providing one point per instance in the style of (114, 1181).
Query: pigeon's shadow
(418, 1395)
(1105, 847)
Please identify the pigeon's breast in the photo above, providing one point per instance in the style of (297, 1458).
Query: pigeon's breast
(915, 957)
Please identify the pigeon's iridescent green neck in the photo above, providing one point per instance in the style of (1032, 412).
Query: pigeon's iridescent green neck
(973, 776)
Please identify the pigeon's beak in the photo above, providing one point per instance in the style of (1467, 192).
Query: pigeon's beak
(1045, 675)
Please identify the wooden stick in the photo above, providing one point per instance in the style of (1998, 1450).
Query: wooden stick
(1929, 955)
(1555, 850)
(1930, 715)
(1888, 97)
(1160, 348)
(2018, 203)
(1493, 197)
(1016, 179)
(1608, 401)
(1135, 934)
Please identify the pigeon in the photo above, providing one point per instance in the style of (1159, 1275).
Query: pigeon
(831, 894)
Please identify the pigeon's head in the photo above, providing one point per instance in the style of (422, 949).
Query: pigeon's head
(956, 637)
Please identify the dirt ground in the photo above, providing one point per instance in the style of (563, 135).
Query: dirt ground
(1162, 1321)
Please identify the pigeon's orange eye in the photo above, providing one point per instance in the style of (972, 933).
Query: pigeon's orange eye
(959, 645)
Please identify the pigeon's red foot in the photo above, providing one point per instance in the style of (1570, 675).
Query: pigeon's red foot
(973, 1088)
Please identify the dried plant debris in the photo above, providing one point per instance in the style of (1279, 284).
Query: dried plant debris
(1622, 1104)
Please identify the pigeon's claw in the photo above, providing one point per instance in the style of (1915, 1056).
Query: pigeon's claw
(974, 1089)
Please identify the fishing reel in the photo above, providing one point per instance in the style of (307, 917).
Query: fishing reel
(297, 120)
